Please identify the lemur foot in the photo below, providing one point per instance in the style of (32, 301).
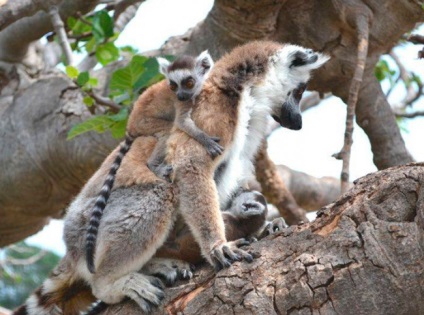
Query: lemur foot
(170, 270)
(224, 255)
(146, 291)
(213, 148)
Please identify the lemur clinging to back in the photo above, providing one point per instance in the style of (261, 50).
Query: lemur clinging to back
(244, 87)
(155, 117)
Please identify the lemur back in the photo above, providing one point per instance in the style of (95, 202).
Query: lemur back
(154, 114)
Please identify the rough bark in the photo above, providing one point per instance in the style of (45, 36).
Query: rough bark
(41, 169)
(363, 255)
(311, 193)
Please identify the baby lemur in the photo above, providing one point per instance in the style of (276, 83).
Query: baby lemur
(243, 89)
(154, 117)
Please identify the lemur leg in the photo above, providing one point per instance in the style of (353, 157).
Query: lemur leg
(156, 162)
(199, 207)
(129, 235)
(169, 269)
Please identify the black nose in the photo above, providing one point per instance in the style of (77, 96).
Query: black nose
(183, 96)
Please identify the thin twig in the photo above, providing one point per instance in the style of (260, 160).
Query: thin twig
(83, 19)
(411, 94)
(26, 261)
(105, 102)
(362, 29)
(409, 115)
(59, 29)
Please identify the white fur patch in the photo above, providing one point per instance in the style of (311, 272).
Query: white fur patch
(256, 103)
(34, 308)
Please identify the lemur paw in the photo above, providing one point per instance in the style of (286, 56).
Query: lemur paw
(213, 148)
(146, 291)
(169, 269)
(224, 255)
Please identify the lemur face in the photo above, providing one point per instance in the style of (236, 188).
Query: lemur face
(289, 72)
(186, 74)
(248, 204)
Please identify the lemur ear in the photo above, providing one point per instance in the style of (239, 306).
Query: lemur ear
(205, 61)
(163, 65)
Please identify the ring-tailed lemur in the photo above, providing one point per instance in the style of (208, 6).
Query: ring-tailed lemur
(244, 87)
(185, 77)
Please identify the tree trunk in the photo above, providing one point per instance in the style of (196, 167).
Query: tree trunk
(363, 255)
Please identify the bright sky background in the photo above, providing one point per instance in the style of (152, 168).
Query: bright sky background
(308, 150)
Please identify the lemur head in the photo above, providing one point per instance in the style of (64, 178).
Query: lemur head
(248, 203)
(186, 74)
(289, 71)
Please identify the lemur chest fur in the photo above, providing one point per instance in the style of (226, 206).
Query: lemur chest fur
(238, 160)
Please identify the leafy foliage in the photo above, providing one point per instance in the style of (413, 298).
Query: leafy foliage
(18, 281)
(95, 35)
(383, 71)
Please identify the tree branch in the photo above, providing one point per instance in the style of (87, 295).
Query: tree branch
(409, 115)
(15, 39)
(411, 94)
(105, 101)
(358, 16)
(367, 243)
(13, 10)
(59, 29)
(275, 190)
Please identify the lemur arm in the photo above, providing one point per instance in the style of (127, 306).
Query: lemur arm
(184, 122)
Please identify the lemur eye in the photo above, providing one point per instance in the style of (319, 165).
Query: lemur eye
(189, 83)
(173, 86)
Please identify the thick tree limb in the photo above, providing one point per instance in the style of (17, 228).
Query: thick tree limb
(368, 243)
(13, 10)
(275, 191)
(311, 193)
(47, 169)
(16, 38)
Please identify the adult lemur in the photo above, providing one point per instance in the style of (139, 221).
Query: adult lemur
(243, 89)
(154, 114)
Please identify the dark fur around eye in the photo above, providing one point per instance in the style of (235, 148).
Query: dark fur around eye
(189, 82)
(173, 86)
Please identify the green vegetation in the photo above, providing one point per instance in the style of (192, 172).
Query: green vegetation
(22, 269)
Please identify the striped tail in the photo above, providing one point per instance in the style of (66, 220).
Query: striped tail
(59, 294)
(100, 205)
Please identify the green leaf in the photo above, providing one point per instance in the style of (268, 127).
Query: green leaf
(118, 129)
(150, 73)
(72, 72)
(107, 53)
(90, 45)
(99, 123)
(122, 115)
(83, 78)
(102, 26)
(78, 27)
(88, 100)
(129, 49)
(124, 79)
(93, 82)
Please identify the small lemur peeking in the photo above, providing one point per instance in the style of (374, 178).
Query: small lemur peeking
(155, 113)
(185, 76)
